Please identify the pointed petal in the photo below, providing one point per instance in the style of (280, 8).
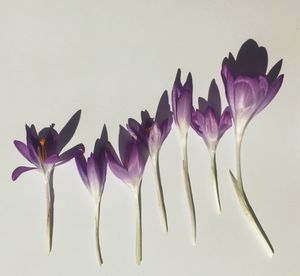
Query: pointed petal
(125, 140)
(70, 154)
(82, 168)
(19, 170)
(163, 111)
(225, 121)
(214, 99)
(274, 72)
(23, 149)
(176, 92)
(68, 131)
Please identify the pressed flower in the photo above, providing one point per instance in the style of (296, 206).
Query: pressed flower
(182, 96)
(93, 174)
(44, 151)
(130, 168)
(249, 89)
(211, 124)
(153, 132)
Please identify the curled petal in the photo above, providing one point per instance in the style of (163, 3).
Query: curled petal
(19, 170)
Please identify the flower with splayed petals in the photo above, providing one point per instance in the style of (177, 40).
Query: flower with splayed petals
(210, 123)
(93, 174)
(153, 132)
(130, 168)
(43, 151)
(249, 89)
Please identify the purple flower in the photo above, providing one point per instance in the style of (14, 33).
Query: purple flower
(43, 151)
(130, 168)
(208, 121)
(211, 124)
(93, 174)
(182, 97)
(152, 133)
(249, 89)
(248, 86)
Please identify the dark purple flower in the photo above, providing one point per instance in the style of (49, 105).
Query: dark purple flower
(248, 86)
(208, 121)
(249, 89)
(93, 174)
(152, 133)
(182, 97)
(43, 149)
(211, 124)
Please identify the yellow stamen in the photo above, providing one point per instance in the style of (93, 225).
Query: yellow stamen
(41, 151)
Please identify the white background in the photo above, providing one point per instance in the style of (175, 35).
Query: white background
(111, 59)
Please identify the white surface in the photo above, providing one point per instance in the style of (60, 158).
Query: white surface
(112, 59)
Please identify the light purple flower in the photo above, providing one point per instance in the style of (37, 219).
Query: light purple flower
(182, 98)
(93, 174)
(208, 121)
(248, 86)
(211, 124)
(130, 168)
(152, 133)
(43, 151)
(249, 89)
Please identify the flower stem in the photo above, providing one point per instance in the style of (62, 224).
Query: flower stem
(48, 176)
(160, 194)
(239, 189)
(138, 245)
(214, 176)
(188, 187)
(97, 223)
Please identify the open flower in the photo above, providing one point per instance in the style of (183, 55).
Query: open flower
(249, 89)
(182, 96)
(93, 175)
(130, 168)
(153, 132)
(43, 151)
(211, 124)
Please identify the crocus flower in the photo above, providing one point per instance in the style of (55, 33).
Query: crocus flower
(211, 124)
(182, 110)
(93, 174)
(130, 168)
(153, 132)
(249, 89)
(43, 151)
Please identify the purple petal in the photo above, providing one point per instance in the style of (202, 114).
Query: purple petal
(274, 72)
(273, 90)
(198, 122)
(101, 143)
(214, 99)
(202, 104)
(95, 183)
(176, 92)
(50, 135)
(82, 168)
(125, 141)
(68, 131)
(163, 111)
(19, 170)
(225, 121)
(70, 154)
(137, 130)
(210, 129)
(165, 128)
(136, 164)
(229, 87)
(184, 111)
(155, 140)
(22, 148)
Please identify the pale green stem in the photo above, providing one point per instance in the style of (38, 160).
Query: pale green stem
(97, 232)
(138, 244)
(160, 194)
(188, 188)
(214, 177)
(239, 189)
(48, 177)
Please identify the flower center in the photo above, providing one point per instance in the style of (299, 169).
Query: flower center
(41, 151)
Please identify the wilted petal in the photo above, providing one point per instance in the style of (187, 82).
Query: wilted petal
(19, 170)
